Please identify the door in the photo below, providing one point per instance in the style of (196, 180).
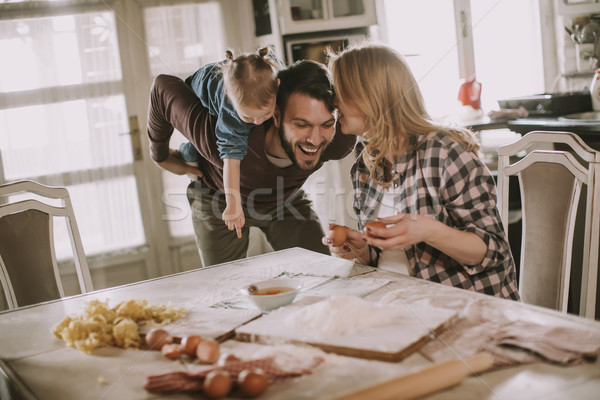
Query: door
(73, 103)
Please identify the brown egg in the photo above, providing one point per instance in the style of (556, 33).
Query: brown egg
(190, 344)
(338, 235)
(171, 351)
(228, 358)
(156, 338)
(217, 384)
(208, 351)
(374, 224)
(253, 381)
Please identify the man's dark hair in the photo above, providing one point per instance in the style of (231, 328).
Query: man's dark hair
(307, 77)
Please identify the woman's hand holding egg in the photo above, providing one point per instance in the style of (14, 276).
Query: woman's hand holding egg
(352, 246)
(399, 231)
(337, 234)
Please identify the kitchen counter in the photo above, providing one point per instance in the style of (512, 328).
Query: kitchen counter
(588, 130)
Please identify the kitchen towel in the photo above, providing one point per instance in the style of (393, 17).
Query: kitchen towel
(514, 342)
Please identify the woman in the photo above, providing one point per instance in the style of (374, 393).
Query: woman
(422, 179)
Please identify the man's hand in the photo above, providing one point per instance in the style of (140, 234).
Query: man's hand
(176, 165)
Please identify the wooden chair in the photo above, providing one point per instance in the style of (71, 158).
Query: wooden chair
(28, 265)
(551, 185)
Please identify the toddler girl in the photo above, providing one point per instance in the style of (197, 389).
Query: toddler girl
(241, 91)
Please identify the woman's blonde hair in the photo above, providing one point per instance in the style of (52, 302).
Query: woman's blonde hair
(376, 80)
(251, 78)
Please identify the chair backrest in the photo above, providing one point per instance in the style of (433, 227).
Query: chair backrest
(28, 266)
(551, 185)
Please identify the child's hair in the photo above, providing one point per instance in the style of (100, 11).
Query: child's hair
(251, 78)
(391, 100)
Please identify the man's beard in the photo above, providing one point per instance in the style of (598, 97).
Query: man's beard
(287, 147)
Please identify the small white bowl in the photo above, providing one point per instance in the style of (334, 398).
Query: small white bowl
(267, 302)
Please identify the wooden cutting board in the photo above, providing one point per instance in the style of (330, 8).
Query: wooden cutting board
(393, 342)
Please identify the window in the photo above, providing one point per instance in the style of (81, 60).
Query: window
(62, 114)
(505, 38)
(428, 42)
(65, 108)
(507, 43)
(180, 40)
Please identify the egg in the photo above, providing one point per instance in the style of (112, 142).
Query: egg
(253, 382)
(228, 358)
(156, 338)
(217, 384)
(190, 344)
(376, 225)
(208, 351)
(338, 235)
(171, 350)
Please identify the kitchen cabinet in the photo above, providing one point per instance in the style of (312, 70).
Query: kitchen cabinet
(302, 16)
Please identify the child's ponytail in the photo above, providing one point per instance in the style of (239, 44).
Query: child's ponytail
(264, 52)
(251, 78)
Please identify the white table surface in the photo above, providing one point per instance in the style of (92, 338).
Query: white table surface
(53, 371)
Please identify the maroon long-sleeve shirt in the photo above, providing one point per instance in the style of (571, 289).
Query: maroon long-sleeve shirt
(174, 105)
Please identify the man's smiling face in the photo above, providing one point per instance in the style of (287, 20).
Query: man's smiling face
(306, 130)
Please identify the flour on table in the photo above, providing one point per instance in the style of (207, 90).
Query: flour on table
(340, 315)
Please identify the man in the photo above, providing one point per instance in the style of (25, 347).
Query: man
(282, 153)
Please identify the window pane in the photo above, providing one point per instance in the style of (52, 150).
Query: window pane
(63, 122)
(508, 49)
(61, 137)
(108, 214)
(428, 41)
(180, 40)
(183, 38)
(58, 51)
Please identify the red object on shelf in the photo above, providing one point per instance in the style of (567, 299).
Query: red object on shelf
(469, 93)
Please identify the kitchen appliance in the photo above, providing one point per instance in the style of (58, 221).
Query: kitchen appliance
(551, 104)
(314, 47)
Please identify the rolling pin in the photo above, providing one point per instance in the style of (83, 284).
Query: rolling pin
(424, 382)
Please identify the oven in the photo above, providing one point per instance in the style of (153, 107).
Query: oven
(314, 46)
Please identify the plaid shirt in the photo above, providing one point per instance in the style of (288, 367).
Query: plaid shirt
(440, 178)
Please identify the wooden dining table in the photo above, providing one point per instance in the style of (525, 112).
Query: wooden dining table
(37, 364)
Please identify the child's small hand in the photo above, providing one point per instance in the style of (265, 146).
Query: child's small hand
(233, 216)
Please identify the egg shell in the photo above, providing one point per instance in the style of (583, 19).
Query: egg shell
(253, 382)
(208, 351)
(171, 350)
(338, 235)
(190, 344)
(228, 358)
(156, 338)
(217, 384)
(376, 225)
